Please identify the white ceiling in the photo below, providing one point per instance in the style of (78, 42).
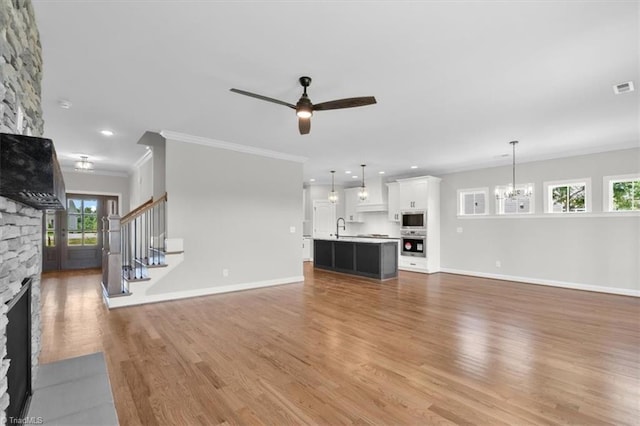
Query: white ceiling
(454, 81)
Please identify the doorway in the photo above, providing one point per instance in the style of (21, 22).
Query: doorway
(73, 237)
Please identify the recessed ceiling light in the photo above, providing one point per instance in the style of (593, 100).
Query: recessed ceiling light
(354, 176)
(348, 172)
(414, 167)
(64, 103)
(106, 132)
(380, 172)
(312, 180)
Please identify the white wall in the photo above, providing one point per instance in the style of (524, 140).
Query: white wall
(234, 211)
(92, 183)
(141, 183)
(600, 250)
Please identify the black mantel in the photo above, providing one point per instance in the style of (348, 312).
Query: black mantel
(377, 259)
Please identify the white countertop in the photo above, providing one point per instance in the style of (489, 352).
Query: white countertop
(361, 240)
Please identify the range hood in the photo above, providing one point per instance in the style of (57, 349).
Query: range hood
(30, 172)
(377, 201)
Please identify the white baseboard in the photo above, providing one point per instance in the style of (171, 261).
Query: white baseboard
(551, 283)
(139, 299)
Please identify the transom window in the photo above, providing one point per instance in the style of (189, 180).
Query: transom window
(622, 193)
(518, 204)
(568, 196)
(473, 202)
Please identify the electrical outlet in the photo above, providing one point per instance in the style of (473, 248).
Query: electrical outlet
(292, 229)
(498, 264)
(459, 229)
(225, 272)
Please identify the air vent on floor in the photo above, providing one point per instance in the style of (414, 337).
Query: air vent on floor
(623, 87)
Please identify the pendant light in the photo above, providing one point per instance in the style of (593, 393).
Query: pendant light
(363, 189)
(333, 195)
(510, 192)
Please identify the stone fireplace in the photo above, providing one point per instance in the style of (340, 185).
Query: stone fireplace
(20, 226)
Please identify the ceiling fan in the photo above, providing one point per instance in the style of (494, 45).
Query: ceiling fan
(304, 108)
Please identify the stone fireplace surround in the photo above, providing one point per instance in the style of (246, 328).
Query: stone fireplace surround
(20, 226)
(20, 258)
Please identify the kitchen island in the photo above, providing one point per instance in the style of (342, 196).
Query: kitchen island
(368, 257)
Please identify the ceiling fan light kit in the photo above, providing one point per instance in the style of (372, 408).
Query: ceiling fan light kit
(305, 108)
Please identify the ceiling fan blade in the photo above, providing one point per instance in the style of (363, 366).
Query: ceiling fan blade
(345, 103)
(264, 98)
(304, 125)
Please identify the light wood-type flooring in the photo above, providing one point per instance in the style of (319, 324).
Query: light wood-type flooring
(417, 350)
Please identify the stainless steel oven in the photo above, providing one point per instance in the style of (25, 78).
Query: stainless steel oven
(413, 243)
(415, 219)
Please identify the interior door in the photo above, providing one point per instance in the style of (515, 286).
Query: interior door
(324, 219)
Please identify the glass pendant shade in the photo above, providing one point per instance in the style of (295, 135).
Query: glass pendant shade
(363, 194)
(333, 195)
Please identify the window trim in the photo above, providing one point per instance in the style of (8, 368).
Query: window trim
(607, 193)
(548, 204)
(532, 203)
(465, 191)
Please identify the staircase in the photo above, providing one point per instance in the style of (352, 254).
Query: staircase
(137, 252)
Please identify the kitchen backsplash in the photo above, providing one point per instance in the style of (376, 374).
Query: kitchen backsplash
(374, 223)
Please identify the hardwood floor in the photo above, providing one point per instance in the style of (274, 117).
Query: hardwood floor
(439, 349)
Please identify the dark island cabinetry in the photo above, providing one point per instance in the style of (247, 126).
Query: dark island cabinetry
(369, 258)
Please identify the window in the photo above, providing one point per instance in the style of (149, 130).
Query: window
(622, 193)
(473, 202)
(51, 222)
(572, 196)
(82, 222)
(517, 205)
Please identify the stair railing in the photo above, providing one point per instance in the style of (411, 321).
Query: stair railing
(143, 235)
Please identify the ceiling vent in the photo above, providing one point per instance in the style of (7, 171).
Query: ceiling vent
(623, 87)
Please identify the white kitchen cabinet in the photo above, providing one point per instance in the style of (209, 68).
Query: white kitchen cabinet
(394, 201)
(414, 193)
(351, 202)
(307, 249)
(423, 193)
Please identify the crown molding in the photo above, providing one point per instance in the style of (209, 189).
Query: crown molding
(199, 140)
(96, 172)
(143, 159)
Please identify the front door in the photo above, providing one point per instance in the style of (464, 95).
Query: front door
(73, 237)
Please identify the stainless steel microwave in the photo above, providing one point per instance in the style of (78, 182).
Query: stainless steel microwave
(415, 219)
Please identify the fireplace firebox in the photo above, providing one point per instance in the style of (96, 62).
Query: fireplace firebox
(19, 352)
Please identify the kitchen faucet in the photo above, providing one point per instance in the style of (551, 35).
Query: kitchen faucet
(344, 226)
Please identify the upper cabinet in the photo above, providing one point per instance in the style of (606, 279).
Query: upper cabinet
(394, 201)
(414, 193)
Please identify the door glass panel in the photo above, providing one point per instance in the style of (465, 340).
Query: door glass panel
(82, 222)
(52, 225)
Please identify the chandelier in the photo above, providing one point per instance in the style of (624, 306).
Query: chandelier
(511, 192)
